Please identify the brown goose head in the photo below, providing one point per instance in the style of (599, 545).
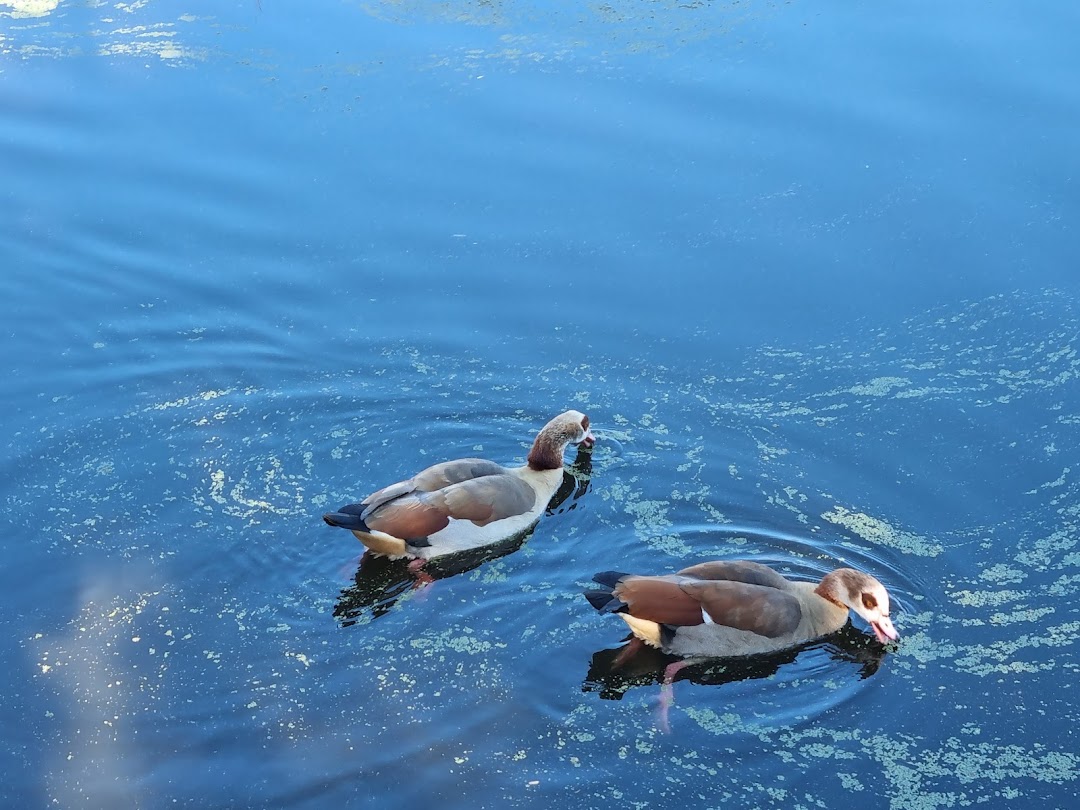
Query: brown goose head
(863, 594)
(571, 427)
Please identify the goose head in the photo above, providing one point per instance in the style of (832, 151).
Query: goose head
(571, 427)
(586, 437)
(863, 594)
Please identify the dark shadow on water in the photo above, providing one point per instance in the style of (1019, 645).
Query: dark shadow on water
(612, 675)
(577, 480)
(380, 582)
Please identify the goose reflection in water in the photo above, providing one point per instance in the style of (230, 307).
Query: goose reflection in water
(613, 672)
(379, 582)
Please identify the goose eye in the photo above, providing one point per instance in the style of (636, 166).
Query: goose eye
(868, 601)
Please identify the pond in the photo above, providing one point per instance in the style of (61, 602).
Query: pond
(809, 269)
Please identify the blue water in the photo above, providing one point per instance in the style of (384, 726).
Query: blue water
(811, 271)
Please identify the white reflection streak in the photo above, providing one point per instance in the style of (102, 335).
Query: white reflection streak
(98, 756)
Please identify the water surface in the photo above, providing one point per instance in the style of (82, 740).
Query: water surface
(810, 271)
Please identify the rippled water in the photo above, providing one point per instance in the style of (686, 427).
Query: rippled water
(810, 271)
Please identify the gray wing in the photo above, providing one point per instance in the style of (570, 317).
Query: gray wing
(432, 479)
(746, 571)
(482, 500)
(755, 608)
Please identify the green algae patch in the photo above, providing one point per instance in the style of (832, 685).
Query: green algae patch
(651, 522)
(916, 776)
(977, 599)
(878, 531)
(924, 649)
(1003, 574)
(457, 641)
(999, 657)
(879, 387)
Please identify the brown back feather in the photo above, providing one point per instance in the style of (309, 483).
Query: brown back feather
(679, 601)
(659, 599)
(409, 517)
(755, 608)
(432, 479)
(481, 500)
(490, 498)
(737, 571)
(454, 472)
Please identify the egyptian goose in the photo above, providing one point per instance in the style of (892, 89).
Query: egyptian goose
(729, 608)
(467, 503)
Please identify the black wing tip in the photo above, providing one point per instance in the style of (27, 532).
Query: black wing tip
(605, 601)
(345, 520)
(609, 579)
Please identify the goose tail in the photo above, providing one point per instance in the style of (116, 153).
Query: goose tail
(348, 517)
(604, 599)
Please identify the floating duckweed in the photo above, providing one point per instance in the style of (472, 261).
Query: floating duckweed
(462, 641)
(986, 598)
(819, 750)
(916, 774)
(1044, 550)
(651, 522)
(924, 649)
(850, 781)
(1029, 615)
(491, 573)
(1003, 574)
(184, 402)
(789, 503)
(878, 531)
(726, 723)
(878, 387)
(1065, 585)
(994, 658)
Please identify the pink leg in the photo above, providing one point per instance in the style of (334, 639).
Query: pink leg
(667, 694)
(627, 652)
(422, 577)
